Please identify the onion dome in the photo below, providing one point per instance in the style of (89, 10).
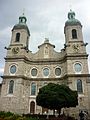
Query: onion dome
(71, 19)
(22, 24)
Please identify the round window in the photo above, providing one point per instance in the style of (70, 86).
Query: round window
(13, 69)
(46, 71)
(34, 72)
(78, 67)
(57, 71)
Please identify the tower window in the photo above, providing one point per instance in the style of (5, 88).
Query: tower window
(74, 34)
(13, 69)
(33, 89)
(11, 85)
(17, 37)
(78, 67)
(79, 86)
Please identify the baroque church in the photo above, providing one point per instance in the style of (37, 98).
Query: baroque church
(26, 72)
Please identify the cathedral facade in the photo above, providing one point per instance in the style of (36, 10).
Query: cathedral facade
(26, 72)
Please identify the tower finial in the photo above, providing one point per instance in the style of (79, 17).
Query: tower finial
(70, 6)
(23, 11)
(71, 15)
(46, 40)
(22, 19)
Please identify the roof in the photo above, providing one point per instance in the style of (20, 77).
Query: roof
(46, 42)
(72, 20)
(22, 24)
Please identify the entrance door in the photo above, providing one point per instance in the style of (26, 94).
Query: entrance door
(32, 107)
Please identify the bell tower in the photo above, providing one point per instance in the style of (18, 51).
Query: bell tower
(20, 33)
(73, 35)
(73, 28)
(13, 78)
(76, 60)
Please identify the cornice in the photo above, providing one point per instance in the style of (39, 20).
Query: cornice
(48, 61)
(59, 78)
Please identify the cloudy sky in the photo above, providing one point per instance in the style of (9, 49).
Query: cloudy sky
(46, 19)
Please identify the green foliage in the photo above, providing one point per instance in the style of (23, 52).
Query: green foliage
(21, 118)
(31, 118)
(5, 114)
(12, 116)
(55, 96)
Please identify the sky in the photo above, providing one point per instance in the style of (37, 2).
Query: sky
(45, 19)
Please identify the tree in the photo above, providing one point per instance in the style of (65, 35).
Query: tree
(55, 96)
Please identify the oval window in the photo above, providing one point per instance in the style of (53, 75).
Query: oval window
(34, 72)
(78, 67)
(57, 71)
(46, 71)
(13, 69)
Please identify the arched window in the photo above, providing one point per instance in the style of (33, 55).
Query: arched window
(33, 89)
(11, 85)
(32, 107)
(74, 34)
(17, 37)
(79, 86)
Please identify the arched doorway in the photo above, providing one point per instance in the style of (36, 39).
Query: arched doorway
(32, 107)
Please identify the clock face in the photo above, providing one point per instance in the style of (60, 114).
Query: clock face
(76, 47)
(13, 69)
(46, 71)
(78, 67)
(15, 50)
